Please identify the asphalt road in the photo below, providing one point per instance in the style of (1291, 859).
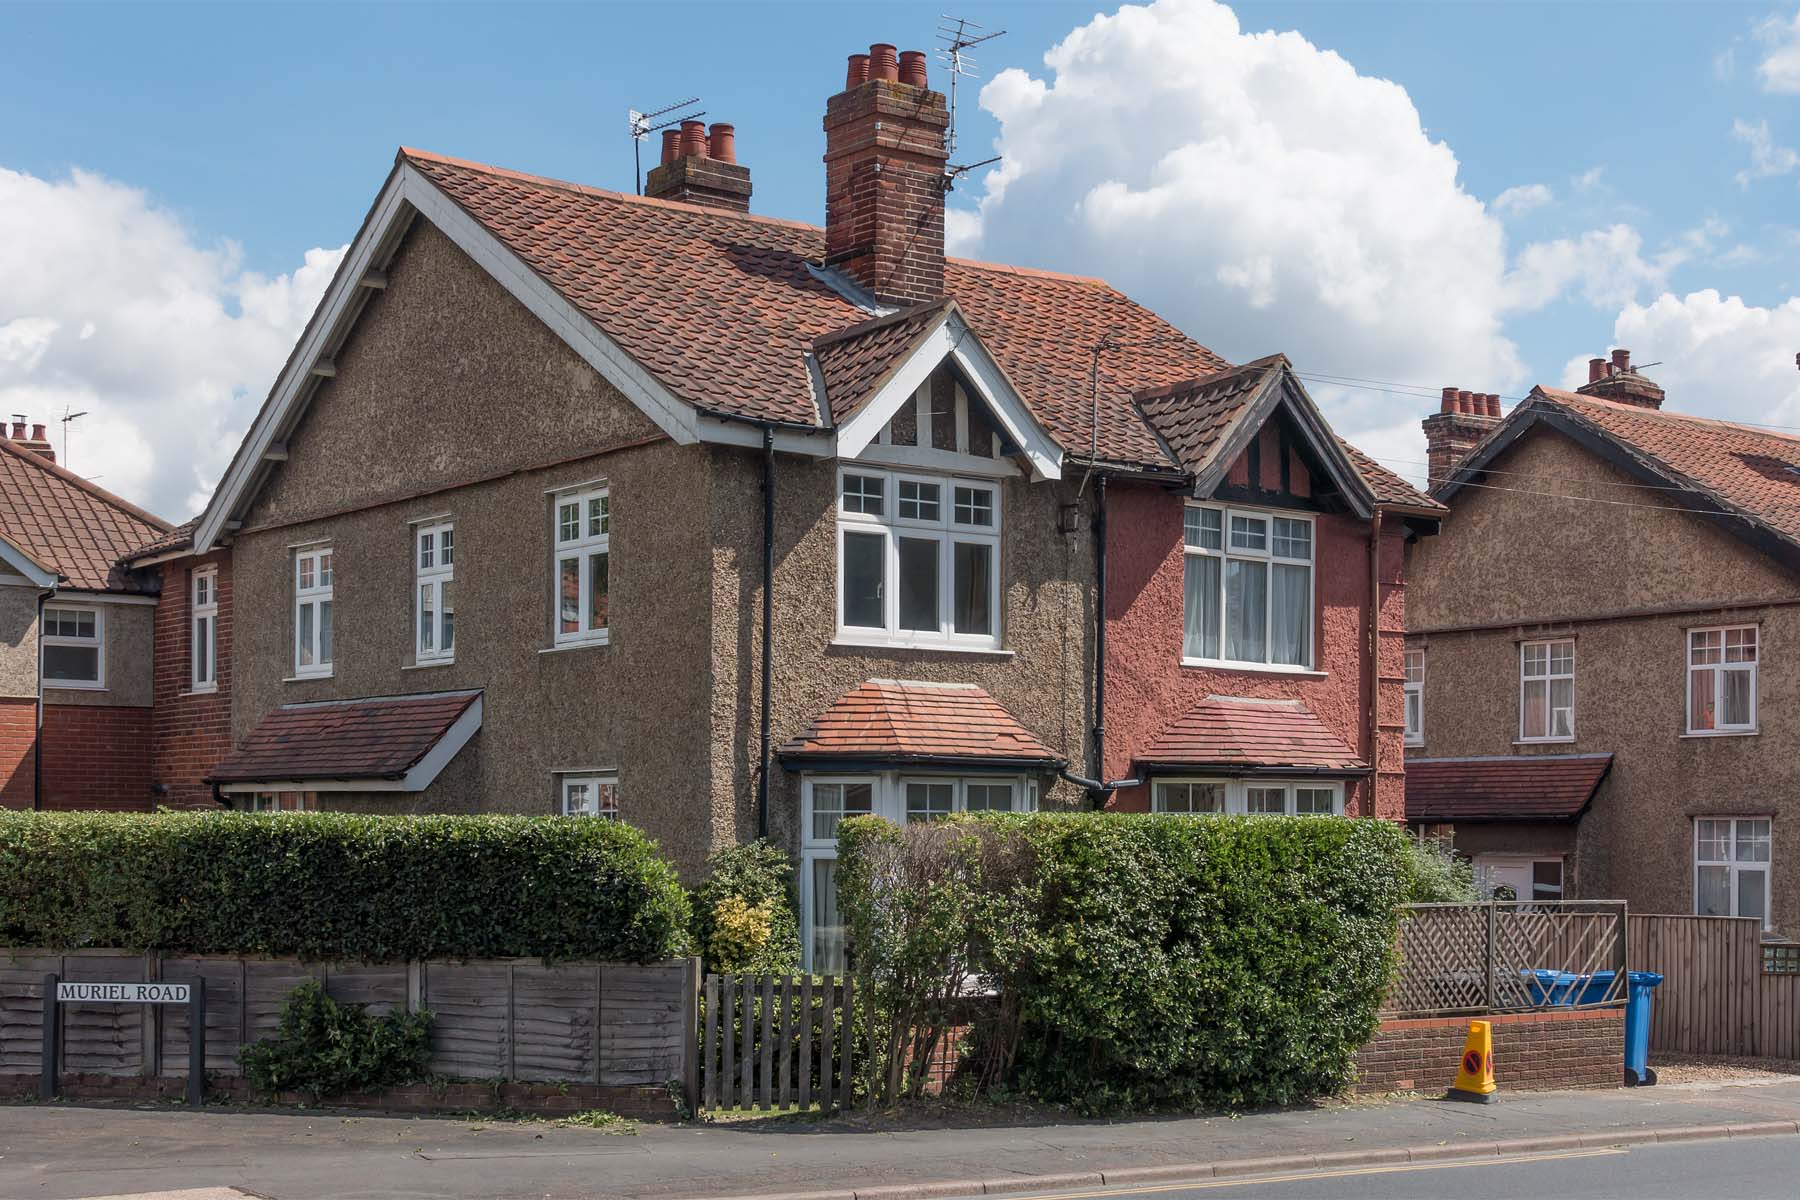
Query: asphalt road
(1741, 1169)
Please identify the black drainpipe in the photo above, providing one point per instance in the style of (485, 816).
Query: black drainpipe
(1097, 791)
(768, 627)
(37, 734)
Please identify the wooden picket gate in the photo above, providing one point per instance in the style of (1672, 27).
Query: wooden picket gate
(775, 1043)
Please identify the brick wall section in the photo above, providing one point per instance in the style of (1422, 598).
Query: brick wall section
(884, 189)
(190, 733)
(97, 756)
(18, 734)
(1571, 1048)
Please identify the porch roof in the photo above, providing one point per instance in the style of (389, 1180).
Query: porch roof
(1538, 787)
(381, 743)
(1242, 734)
(897, 722)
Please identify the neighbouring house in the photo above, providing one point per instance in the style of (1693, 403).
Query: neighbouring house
(646, 507)
(76, 629)
(1590, 709)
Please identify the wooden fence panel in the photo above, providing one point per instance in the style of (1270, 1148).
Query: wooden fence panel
(645, 1033)
(1711, 969)
(773, 1043)
(224, 1014)
(470, 1005)
(555, 1012)
(381, 986)
(267, 982)
(22, 1008)
(104, 1039)
(1778, 1015)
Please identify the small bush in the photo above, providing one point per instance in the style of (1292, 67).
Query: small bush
(744, 914)
(324, 1049)
(1435, 875)
(339, 886)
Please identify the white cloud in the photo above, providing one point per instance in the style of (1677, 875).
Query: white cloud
(1590, 180)
(112, 306)
(1766, 158)
(1779, 68)
(1517, 201)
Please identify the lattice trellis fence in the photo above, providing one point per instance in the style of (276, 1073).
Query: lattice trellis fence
(1461, 958)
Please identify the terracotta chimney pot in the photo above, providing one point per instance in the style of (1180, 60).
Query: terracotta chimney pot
(882, 62)
(858, 73)
(1621, 361)
(1449, 402)
(693, 139)
(1493, 404)
(18, 431)
(722, 142)
(1596, 370)
(912, 68)
(671, 148)
(37, 433)
(1465, 403)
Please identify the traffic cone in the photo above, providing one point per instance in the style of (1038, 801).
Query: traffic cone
(1475, 1078)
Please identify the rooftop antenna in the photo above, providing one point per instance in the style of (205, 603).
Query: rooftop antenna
(643, 124)
(67, 417)
(958, 34)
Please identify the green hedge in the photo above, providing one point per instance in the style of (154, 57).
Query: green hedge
(745, 919)
(337, 886)
(1140, 961)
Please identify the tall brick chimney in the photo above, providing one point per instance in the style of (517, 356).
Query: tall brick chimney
(1620, 382)
(35, 442)
(701, 167)
(884, 177)
(1457, 428)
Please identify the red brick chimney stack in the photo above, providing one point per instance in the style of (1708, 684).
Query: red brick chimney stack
(1620, 382)
(701, 167)
(1463, 419)
(884, 177)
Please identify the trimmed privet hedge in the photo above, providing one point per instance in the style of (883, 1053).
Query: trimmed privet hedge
(1139, 961)
(337, 886)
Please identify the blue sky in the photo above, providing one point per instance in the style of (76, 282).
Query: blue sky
(268, 128)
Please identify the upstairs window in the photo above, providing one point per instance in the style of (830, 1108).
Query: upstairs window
(582, 566)
(204, 630)
(72, 647)
(1547, 691)
(591, 796)
(434, 604)
(1247, 588)
(1722, 680)
(918, 559)
(312, 611)
(1415, 697)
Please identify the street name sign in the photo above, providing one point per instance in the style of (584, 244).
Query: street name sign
(58, 992)
(123, 993)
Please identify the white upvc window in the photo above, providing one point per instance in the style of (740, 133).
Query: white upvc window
(434, 603)
(281, 802)
(1731, 867)
(1256, 797)
(1415, 697)
(918, 559)
(1247, 588)
(1722, 679)
(73, 647)
(594, 795)
(203, 630)
(312, 611)
(583, 536)
(1547, 691)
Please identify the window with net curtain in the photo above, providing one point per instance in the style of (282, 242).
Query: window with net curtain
(1247, 587)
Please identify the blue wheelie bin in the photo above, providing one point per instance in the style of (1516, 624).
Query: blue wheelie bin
(1641, 995)
(1551, 987)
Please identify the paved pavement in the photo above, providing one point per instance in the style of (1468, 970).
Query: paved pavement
(69, 1152)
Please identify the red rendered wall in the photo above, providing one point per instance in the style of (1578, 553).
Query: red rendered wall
(1147, 687)
(191, 733)
(18, 731)
(97, 756)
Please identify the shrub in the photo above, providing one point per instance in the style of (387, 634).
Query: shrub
(337, 886)
(323, 1049)
(1435, 875)
(1139, 961)
(744, 914)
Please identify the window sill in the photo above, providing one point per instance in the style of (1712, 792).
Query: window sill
(857, 643)
(426, 666)
(1563, 741)
(584, 644)
(308, 678)
(1221, 664)
(1418, 744)
(1721, 733)
(67, 685)
(213, 690)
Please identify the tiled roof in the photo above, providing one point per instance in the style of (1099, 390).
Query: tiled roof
(901, 721)
(1195, 416)
(1755, 471)
(68, 524)
(344, 739)
(1223, 731)
(855, 362)
(1388, 487)
(1534, 787)
(722, 307)
(179, 538)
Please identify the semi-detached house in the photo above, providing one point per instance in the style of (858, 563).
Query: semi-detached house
(572, 501)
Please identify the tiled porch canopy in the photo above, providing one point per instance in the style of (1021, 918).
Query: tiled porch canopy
(385, 743)
(886, 722)
(1251, 736)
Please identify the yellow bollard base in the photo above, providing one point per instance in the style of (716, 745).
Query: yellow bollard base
(1472, 1097)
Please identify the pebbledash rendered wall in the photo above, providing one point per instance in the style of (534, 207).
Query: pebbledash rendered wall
(1534, 1051)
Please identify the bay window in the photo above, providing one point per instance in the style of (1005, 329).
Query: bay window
(581, 566)
(1731, 867)
(1247, 588)
(434, 608)
(1547, 691)
(312, 611)
(1722, 680)
(72, 641)
(918, 560)
(1266, 797)
(1415, 697)
(203, 630)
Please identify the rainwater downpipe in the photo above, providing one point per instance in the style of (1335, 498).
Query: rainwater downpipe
(1097, 791)
(768, 628)
(37, 733)
(1374, 658)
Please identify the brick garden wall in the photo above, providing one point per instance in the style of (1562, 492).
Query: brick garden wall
(1540, 1051)
(96, 756)
(191, 732)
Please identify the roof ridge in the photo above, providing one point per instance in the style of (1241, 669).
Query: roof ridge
(1163, 391)
(1558, 394)
(1034, 272)
(93, 489)
(880, 321)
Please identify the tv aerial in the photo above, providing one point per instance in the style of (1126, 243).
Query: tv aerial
(958, 35)
(643, 124)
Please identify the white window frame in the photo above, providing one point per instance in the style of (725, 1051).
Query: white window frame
(1225, 553)
(1719, 669)
(1237, 793)
(316, 596)
(604, 787)
(97, 643)
(593, 536)
(1734, 865)
(434, 567)
(1415, 696)
(280, 803)
(203, 630)
(946, 532)
(1548, 678)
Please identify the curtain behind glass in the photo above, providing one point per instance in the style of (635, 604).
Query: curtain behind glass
(1200, 608)
(1291, 616)
(1246, 611)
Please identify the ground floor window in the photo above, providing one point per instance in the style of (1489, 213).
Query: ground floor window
(1519, 877)
(595, 795)
(1267, 797)
(282, 802)
(829, 799)
(1731, 867)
